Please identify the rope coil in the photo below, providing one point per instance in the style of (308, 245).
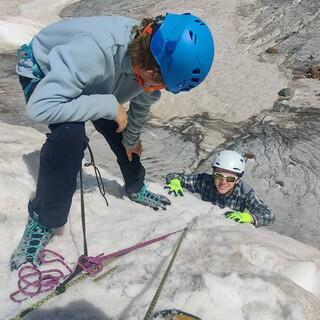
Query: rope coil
(32, 281)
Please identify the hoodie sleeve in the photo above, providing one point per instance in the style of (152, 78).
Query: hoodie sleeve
(137, 116)
(262, 214)
(74, 66)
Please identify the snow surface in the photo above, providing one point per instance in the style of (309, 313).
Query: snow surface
(20, 20)
(224, 270)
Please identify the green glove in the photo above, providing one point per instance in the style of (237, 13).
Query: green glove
(174, 187)
(241, 217)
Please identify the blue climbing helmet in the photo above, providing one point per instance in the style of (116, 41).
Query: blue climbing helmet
(183, 47)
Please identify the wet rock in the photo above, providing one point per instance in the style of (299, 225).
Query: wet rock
(280, 183)
(285, 94)
(137, 9)
(272, 50)
(249, 156)
(314, 71)
(280, 106)
(12, 105)
(286, 170)
(289, 28)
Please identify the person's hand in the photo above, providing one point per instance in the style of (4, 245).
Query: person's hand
(122, 118)
(138, 149)
(240, 217)
(174, 186)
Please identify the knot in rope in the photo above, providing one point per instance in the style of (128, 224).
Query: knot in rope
(91, 265)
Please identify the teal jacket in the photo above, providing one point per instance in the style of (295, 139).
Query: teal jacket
(87, 73)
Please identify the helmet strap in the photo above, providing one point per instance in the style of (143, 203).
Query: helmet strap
(136, 71)
(148, 29)
(152, 26)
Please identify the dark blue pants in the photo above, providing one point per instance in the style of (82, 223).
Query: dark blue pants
(60, 161)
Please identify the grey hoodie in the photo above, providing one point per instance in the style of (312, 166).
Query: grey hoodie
(87, 74)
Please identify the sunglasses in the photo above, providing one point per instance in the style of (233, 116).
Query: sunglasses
(220, 177)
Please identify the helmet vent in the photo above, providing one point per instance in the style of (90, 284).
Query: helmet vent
(193, 36)
(200, 22)
(196, 71)
(195, 79)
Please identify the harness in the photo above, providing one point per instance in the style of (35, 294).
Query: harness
(25, 53)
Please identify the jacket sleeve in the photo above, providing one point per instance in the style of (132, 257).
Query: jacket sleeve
(262, 214)
(139, 108)
(192, 182)
(73, 66)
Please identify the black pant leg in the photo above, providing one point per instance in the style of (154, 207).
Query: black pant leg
(60, 161)
(133, 171)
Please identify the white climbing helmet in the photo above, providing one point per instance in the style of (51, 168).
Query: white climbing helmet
(230, 160)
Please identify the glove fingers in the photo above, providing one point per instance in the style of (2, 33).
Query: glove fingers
(240, 217)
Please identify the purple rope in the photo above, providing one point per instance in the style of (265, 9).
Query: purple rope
(94, 265)
(32, 281)
(60, 258)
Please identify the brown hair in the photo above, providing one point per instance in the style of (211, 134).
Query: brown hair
(139, 49)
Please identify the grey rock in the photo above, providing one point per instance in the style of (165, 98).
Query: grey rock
(290, 28)
(286, 169)
(137, 9)
(285, 94)
(12, 104)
